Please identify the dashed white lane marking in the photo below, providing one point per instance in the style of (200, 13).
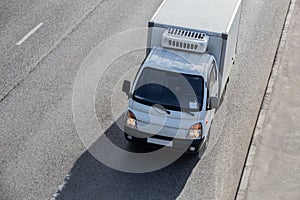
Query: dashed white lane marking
(29, 34)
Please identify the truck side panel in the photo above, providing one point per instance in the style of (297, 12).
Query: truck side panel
(233, 30)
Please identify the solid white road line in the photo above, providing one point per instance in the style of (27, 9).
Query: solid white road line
(29, 34)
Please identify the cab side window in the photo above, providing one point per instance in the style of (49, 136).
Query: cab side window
(214, 71)
(212, 79)
(212, 82)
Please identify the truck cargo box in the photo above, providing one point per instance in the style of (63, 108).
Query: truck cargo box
(219, 19)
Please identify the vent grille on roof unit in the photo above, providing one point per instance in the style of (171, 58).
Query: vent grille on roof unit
(185, 40)
(187, 34)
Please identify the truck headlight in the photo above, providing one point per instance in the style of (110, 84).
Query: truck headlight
(130, 119)
(195, 132)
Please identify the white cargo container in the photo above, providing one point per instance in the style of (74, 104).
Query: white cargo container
(219, 19)
(192, 44)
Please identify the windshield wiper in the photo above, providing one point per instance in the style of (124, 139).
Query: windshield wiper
(187, 112)
(161, 108)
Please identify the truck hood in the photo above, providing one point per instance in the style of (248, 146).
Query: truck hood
(156, 121)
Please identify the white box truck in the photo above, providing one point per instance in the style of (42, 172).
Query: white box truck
(179, 86)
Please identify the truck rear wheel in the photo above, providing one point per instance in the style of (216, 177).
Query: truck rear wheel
(224, 92)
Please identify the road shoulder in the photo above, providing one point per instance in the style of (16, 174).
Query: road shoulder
(272, 170)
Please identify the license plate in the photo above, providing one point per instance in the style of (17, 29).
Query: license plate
(160, 142)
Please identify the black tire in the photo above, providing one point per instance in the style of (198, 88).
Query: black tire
(125, 135)
(204, 146)
(224, 93)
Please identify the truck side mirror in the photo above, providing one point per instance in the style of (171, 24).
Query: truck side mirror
(126, 87)
(214, 102)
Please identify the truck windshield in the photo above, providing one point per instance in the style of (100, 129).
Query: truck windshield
(172, 90)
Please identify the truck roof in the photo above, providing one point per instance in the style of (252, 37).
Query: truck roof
(178, 61)
(207, 15)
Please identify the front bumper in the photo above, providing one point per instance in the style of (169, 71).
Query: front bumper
(190, 146)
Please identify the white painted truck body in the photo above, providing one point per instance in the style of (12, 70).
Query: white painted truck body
(219, 19)
(189, 38)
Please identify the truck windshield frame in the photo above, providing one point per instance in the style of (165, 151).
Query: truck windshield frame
(172, 90)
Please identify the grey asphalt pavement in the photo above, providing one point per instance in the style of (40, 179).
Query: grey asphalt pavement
(276, 165)
(38, 140)
(59, 18)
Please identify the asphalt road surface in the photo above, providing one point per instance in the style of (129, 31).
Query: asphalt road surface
(38, 140)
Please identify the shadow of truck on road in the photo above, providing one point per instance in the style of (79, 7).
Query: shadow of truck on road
(90, 179)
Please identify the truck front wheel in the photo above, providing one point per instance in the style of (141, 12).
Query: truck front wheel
(204, 146)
